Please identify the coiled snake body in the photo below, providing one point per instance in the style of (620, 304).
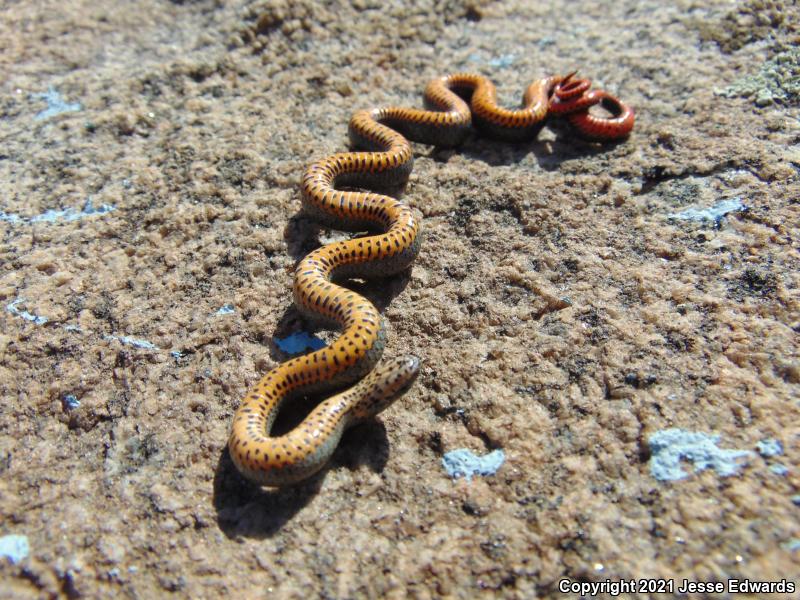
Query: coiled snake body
(385, 162)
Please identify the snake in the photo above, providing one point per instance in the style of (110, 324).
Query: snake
(351, 191)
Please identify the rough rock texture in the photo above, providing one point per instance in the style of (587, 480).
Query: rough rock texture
(569, 302)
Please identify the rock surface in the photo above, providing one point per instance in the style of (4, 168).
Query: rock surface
(566, 307)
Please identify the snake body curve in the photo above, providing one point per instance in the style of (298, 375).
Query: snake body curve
(385, 161)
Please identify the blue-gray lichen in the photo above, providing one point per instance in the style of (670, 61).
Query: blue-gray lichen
(670, 446)
(464, 463)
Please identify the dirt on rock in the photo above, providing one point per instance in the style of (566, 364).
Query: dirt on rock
(622, 321)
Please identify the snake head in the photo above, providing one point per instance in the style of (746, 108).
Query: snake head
(385, 384)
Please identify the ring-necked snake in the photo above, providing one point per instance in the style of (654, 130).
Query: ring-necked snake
(385, 162)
